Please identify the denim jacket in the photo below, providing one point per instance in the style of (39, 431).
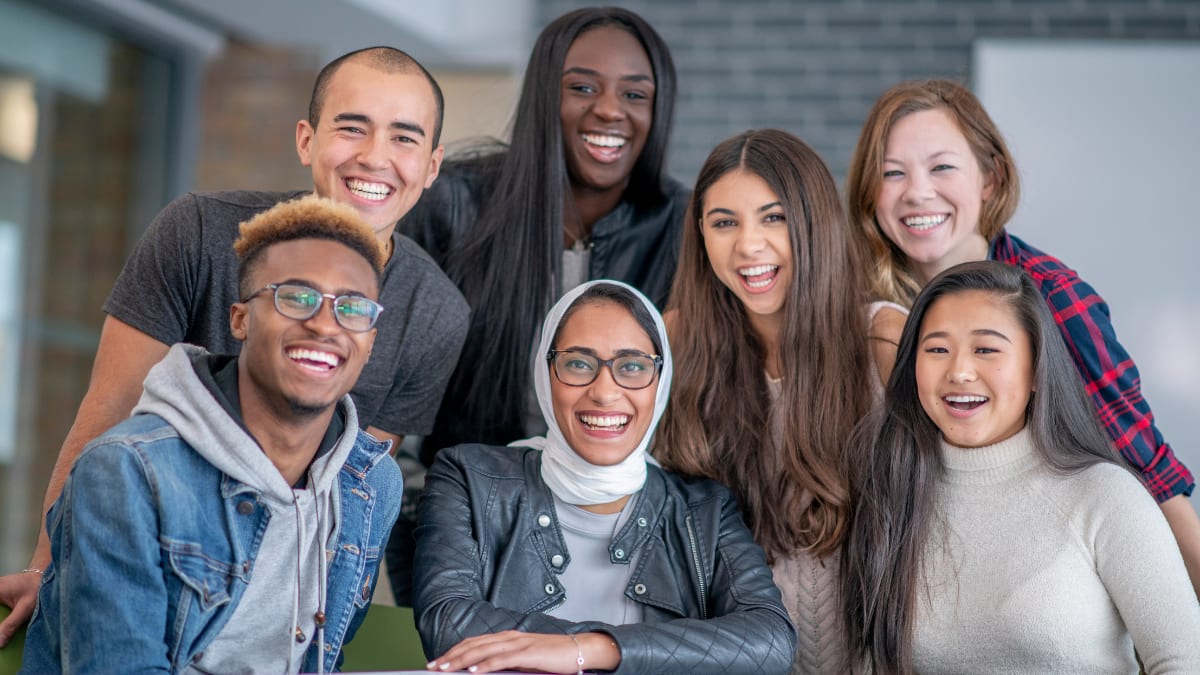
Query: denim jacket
(489, 537)
(166, 589)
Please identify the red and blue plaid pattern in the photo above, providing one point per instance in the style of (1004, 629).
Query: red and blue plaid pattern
(1109, 373)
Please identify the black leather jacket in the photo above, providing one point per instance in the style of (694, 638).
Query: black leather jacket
(488, 532)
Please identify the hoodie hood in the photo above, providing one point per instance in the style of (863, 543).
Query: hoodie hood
(174, 392)
(282, 609)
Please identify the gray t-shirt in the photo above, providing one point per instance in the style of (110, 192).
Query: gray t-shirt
(180, 280)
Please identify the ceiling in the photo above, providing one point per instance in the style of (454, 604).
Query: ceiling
(441, 34)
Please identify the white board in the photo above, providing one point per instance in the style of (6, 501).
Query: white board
(1106, 136)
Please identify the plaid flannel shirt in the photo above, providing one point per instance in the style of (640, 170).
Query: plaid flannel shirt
(1109, 373)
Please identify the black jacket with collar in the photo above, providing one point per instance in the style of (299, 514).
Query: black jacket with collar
(489, 531)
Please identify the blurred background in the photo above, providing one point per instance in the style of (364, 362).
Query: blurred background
(109, 108)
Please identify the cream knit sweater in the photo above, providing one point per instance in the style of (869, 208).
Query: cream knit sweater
(1032, 571)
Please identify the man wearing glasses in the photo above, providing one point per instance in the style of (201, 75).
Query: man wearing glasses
(205, 519)
(371, 138)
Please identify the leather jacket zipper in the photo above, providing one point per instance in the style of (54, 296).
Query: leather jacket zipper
(699, 571)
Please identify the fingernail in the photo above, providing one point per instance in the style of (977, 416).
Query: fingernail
(431, 665)
(473, 668)
(445, 666)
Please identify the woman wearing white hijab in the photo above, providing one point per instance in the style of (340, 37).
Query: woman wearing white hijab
(571, 552)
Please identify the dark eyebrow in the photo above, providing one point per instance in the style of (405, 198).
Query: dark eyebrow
(582, 350)
(592, 352)
(630, 352)
(978, 331)
(636, 77)
(397, 124)
(725, 211)
(315, 287)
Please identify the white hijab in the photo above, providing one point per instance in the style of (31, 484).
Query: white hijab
(570, 477)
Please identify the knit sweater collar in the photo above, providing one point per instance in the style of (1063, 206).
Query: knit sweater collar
(990, 463)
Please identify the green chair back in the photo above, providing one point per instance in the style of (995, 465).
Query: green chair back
(10, 656)
(386, 640)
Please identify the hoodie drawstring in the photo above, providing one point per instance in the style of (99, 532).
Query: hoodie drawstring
(298, 634)
(319, 616)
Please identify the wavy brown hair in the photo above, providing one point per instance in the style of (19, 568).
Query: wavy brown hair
(888, 274)
(718, 423)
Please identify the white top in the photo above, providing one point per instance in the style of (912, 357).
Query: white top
(1032, 571)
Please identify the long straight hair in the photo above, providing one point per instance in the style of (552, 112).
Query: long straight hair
(898, 465)
(719, 421)
(508, 263)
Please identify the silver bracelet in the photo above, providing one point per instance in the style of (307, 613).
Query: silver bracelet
(32, 570)
(578, 661)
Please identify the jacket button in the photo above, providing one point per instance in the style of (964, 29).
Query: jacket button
(557, 560)
(640, 589)
(549, 589)
(245, 508)
(641, 522)
(246, 567)
(544, 520)
(619, 553)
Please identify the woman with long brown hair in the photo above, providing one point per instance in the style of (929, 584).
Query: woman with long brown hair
(766, 312)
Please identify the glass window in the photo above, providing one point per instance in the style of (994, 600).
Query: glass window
(84, 118)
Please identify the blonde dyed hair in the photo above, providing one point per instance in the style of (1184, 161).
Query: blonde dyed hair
(310, 217)
(888, 274)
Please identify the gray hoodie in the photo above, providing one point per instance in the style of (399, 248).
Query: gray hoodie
(274, 622)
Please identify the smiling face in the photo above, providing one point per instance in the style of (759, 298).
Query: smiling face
(296, 369)
(748, 244)
(974, 368)
(373, 147)
(932, 192)
(607, 107)
(603, 422)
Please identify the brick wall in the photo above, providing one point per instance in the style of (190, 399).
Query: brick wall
(253, 96)
(814, 67)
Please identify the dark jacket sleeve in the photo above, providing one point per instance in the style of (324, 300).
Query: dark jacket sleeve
(747, 629)
(449, 580)
(448, 209)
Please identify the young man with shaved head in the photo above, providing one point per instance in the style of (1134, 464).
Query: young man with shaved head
(372, 142)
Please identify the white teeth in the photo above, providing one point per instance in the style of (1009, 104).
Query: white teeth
(328, 359)
(605, 421)
(966, 399)
(924, 222)
(372, 191)
(757, 270)
(604, 141)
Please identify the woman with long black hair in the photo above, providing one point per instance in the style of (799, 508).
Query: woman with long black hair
(579, 193)
(993, 527)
